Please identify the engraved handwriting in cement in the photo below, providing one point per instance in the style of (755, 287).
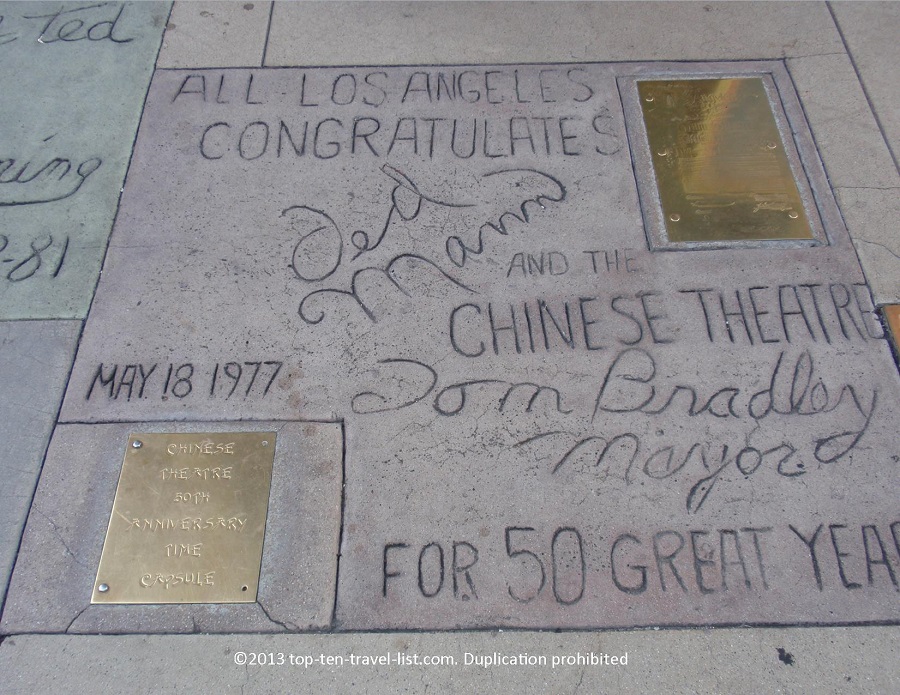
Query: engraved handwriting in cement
(44, 181)
(461, 138)
(521, 210)
(43, 252)
(583, 386)
(252, 378)
(526, 562)
(92, 23)
(406, 202)
(375, 88)
(629, 386)
(794, 390)
(319, 252)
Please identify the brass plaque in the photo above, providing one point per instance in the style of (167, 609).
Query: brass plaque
(189, 518)
(891, 314)
(720, 164)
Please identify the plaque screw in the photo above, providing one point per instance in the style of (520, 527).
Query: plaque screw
(675, 217)
(265, 443)
(663, 152)
(103, 588)
(137, 444)
(648, 99)
(771, 145)
(793, 215)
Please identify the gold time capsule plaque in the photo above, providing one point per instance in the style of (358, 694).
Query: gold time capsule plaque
(720, 164)
(189, 518)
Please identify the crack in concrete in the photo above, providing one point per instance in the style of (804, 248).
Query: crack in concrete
(580, 680)
(876, 243)
(288, 627)
(73, 621)
(812, 55)
(867, 188)
(58, 533)
(246, 679)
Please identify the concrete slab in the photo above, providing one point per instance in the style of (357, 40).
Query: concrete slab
(548, 424)
(836, 660)
(35, 358)
(222, 34)
(870, 214)
(859, 165)
(54, 577)
(848, 138)
(74, 80)
(870, 31)
(402, 33)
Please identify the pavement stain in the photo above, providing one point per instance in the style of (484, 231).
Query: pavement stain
(785, 656)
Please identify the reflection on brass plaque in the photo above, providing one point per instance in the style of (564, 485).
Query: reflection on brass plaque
(189, 518)
(720, 163)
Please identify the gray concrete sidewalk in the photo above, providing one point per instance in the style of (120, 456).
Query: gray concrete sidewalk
(786, 660)
(502, 427)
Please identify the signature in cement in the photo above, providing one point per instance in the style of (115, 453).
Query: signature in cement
(794, 392)
(408, 382)
(32, 183)
(319, 252)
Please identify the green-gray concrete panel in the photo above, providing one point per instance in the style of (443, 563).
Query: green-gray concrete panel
(71, 91)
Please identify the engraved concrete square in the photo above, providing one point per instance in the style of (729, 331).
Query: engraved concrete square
(35, 358)
(547, 423)
(54, 578)
(73, 83)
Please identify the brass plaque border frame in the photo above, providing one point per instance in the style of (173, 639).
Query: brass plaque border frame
(790, 131)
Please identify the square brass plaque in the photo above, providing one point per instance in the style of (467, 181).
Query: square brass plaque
(720, 164)
(189, 518)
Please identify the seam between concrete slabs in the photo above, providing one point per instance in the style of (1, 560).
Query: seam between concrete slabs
(268, 30)
(668, 627)
(340, 539)
(686, 61)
